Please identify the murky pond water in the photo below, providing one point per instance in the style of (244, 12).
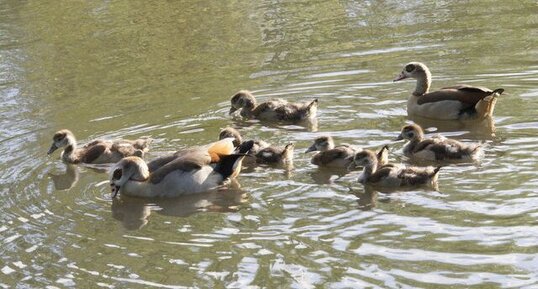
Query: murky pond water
(167, 70)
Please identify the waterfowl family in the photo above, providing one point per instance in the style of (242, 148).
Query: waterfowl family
(436, 148)
(393, 175)
(191, 172)
(448, 103)
(273, 110)
(97, 151)
(340, 156)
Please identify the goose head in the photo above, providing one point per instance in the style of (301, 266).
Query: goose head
(242, 99)
(322, 143)
(416, 70)
(129, 168)
(411, 132)
(233, 133)
(60, 139)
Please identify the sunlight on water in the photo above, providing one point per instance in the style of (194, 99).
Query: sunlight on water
(167, 71)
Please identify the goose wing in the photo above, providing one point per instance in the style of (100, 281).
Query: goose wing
(188, 161)
(466, 94)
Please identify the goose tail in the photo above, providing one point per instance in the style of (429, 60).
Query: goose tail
(229, 166)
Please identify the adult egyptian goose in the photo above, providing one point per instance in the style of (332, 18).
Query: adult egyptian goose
(393, 175)
(273, 110)
(436, 148)
(448, 103)
(97, 151)
(340, 156)
(193, 171)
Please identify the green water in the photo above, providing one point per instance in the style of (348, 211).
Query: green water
(166, 69)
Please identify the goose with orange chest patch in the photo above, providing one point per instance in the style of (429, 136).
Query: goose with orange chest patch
(449, 103)
(191, 171)
(97, 151)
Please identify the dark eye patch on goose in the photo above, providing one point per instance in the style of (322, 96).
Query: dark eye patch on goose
(409, 67)
(117, 174)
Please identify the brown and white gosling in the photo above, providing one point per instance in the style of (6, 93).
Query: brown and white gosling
(340, 156)
(276, 155)
(437, 148)
(192, 171)
(393, 175)
(97, 151)
(448, 103)
(273, 110)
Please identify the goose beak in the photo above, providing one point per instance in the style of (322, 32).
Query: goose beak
(400, 137)
(232, 110)
(53, 147)
(114, 190)
(310, 149)
(399, 77)
(351, 166)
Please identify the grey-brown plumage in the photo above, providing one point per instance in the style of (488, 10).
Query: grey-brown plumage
(340, 156)
(97, 151)
(453, 102)
(273, 110)
(275, 155)
(437, 148)
(393, 175)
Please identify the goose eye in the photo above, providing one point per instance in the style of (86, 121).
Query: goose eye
(409, 67)
(117, 174)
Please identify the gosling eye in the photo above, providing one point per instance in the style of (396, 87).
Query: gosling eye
(410, 134)
(117, 174)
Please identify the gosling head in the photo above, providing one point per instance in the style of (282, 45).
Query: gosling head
(61, 139)
(365, 158)
(229, 132)
(242, 99)
(129, 168)
(414, 70)
(322, 143)
(411, 132)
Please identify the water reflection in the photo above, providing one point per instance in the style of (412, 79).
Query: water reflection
(134, 213)
(483, 129)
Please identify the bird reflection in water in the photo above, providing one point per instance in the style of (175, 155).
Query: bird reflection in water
(133, 213)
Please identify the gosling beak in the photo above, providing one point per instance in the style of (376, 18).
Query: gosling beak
(232, 110)
(114, 190)
(351, 166)
(400, 137)
(399, 77)
(311, 149)
(53, 147)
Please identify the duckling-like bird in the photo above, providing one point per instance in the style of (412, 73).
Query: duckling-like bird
(340, 156)
(437, 148)
(393, 175)
(273, 110)
(97, 151)
(276, 155)
(448, 103)
(191, 172)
